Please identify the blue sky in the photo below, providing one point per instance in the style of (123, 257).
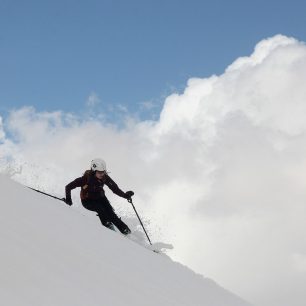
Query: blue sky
(55, 54)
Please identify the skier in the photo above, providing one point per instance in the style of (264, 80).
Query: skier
(93, 196)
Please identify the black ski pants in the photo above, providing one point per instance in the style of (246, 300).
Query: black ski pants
(105, 212)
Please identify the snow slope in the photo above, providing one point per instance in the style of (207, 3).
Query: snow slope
(51, 255)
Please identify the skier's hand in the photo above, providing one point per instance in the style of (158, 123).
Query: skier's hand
(68, 202)
(129, 194)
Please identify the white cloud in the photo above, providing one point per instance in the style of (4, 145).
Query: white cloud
(148, 105)
(2, 133)
(93, 100)
(221, 172)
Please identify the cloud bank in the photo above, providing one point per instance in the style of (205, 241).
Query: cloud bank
(222, 172)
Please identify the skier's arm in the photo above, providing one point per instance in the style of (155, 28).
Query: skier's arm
(72, 185)
(114, 188)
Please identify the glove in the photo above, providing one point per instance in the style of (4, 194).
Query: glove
(129, 194)
(68, 201)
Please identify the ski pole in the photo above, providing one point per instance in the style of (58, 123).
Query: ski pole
(130, 201)
(47, 194)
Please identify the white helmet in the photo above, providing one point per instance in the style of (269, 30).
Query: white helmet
(98, 164)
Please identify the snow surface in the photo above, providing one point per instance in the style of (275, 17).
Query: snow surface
(51, 255)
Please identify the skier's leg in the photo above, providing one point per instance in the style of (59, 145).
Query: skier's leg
(105, 221)
(122, 227)
(98, 207)
(111, 216)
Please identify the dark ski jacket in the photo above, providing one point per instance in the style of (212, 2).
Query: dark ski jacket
(92, 187)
